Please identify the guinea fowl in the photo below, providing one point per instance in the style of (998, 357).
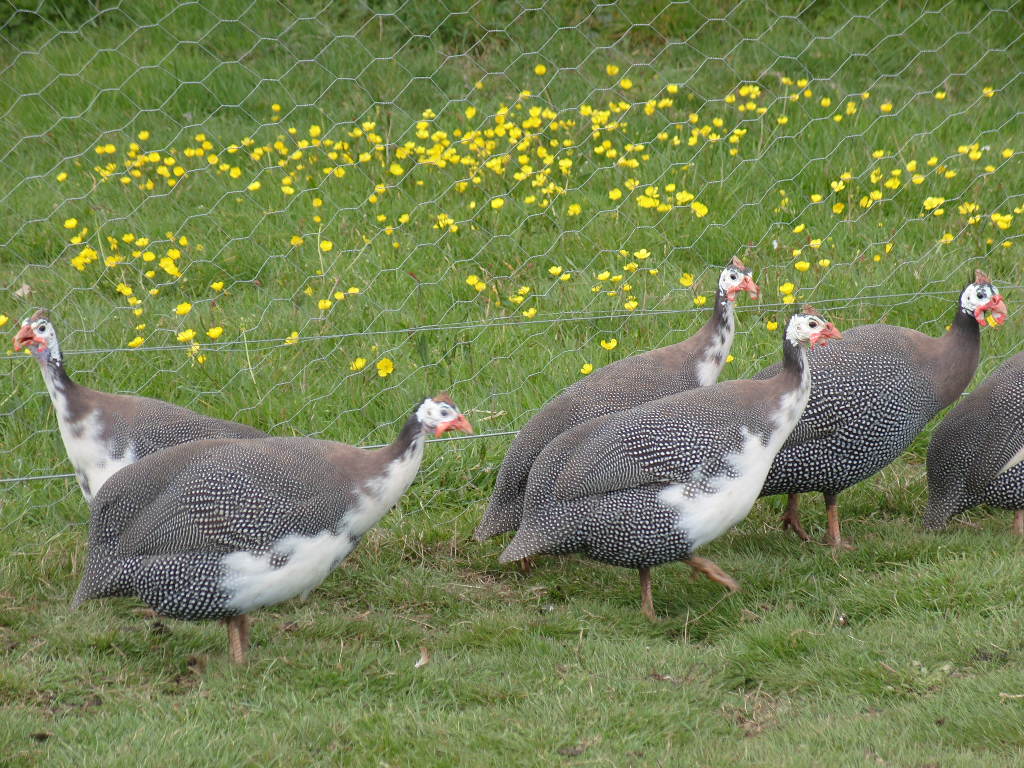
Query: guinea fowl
(977, 454)
(215, 529)
(873, 394)
(650, 485)
(695, 362)
(103, 432)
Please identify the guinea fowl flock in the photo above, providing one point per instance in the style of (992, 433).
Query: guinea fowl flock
(642, 463)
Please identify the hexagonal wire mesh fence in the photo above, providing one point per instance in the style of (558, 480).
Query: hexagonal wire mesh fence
(306, 215)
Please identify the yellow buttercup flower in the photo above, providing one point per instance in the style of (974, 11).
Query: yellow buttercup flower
(609, 344)
(325, 304)
(700, 301)
(358, 364)
(326, 245)
(786, 288)
(183, 309)
(540, 69)
(771, 325)
(292, 337)
(385, 367)
(187, 335)
(215, 332)
(586, 369)
(686, 280)
(530, 313)
(217, 286)
(136, 342)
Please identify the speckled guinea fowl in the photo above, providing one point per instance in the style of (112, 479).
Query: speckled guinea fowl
(650, 485)
(977, 454)
(215, 529)
(873, 393)
(695, 362)
(103, 432)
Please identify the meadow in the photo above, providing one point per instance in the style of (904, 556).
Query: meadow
(308, 216)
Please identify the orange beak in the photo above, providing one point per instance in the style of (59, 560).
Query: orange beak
(460, 423)
(26, 337)
(996, 306)
(829, 332)
(748, 285)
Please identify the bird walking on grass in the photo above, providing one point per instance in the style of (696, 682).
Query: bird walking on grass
(216, 529)
(872, 394)
(977, 453)
(653, 484)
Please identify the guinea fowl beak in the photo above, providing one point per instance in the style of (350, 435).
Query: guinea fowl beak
(829, 332)
(748, 285)
(26, 337)
(460, 423)
(996, 306)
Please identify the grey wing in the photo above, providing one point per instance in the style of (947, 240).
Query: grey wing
(1002, 436)
(228, 499)
(675, 440)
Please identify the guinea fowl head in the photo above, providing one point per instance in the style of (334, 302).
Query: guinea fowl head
(808, 327)
(440, 414)
(736, 278)
(980, 297)
(37, 334)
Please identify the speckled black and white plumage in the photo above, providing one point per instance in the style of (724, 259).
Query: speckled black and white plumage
(104, 432)
(652, 484)
(976, 455)
(872, 394)
(621, 385)
(218, 528)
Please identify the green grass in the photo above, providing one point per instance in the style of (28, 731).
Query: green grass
(906, 652)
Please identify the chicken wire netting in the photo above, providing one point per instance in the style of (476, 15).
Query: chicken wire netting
(306, 216)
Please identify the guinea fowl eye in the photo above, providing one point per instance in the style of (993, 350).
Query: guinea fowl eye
(733, 276)
(41, 328)
(981, 294)
(813, 324)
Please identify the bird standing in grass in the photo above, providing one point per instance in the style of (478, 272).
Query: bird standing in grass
(977, 453)
(653, 484)
(103, 432)
(873, 393)
(218, 528)
(695, 362)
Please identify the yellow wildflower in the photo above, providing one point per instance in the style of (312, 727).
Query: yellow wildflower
(700, 301)
(136, 342)
(771, 325)
(686, 280)
(183, 309)
(540, 69)
(187, 335)
(587, 369)
(385, 367)
(609, 344)
(802, 266)
(217, 286)
(215, 332)
(326, 245)
(358, 364)
(497, 202)
(292, 337)
(786, 288)
(530, 313)
(325, 304)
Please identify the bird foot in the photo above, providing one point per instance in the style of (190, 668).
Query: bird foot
(793, 524)
(839, 543)
(710, 569)
(526, 565)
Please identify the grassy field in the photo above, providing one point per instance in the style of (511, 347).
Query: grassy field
(308, 217)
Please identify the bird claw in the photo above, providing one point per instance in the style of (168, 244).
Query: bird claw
(794, 525)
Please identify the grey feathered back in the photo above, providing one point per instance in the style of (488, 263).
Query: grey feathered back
(600, 470)
(973, 443)
(200, 501)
